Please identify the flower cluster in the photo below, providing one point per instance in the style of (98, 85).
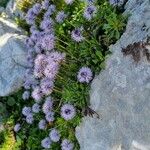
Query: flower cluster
(44, 61)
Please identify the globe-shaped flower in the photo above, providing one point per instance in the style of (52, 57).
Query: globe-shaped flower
(68, 111)
(50, 116)
(42, 124)
(47, 86)
(66, 145)
(48, 42)
(26, 111)
(61, 16)
(48, 105)
(85, 75)
(46, 143)
(36, 108)
(17, 127)
(54, 135)
(89, 12)
(76, 35)
(26, 95)
(37, 94)
(29, 119)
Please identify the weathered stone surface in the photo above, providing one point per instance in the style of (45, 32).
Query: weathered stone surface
(121, 93)
(12, 58)
(12, 9)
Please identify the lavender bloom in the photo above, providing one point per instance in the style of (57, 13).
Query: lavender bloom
(89, 12)
(51, 9)
(77, 35)
(60, 17)
(29, 42)
(56, 56)
(116, 2)
(66, 145)
(26, 111)
(30, 17)
(42, 124)
(47, 24)
(37, 94)
(38, 47)
(35, 35)
(41, 60)
(50, 116)
(36, 8)
(17, 127)
(54, 135)
(45, 4)
(29, 119)
(33, 28)
(51, 70)
(46, 143)
(26, 95)
(36, 108)
(48, 42)
(47, 86)
(69, 1)
(47, 106)
(68, 112)
(85, 75)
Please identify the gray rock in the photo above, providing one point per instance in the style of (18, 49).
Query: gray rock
(121, 93)
(12, 58)
(12, 9)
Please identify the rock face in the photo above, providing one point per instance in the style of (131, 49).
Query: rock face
(12, 10)
(121, 93)
(12, 58)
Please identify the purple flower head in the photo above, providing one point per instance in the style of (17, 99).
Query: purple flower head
(69, 2)
(60, 17)
(35, 35)
(51, 9)
(51, 70)
(66, 145)
(26, 95)
(45, 4)
(116, 2)
(47, 24)
(68, 111)
(29, 119)
(46, 143)
(50, 116)
(89, 12)
(47, 86)
(26, 111)
(54, 135)
(30, 17)
(37, 94)
(33, 28)
(42, 124)
(56, 56)
(36, 108)
(41, 60)
(36, 8)
(38, 71)
(48, 105)
(38, 47)
(85, 75)
(17, 127)
(29, 42)
(76, 35)
(48, 42)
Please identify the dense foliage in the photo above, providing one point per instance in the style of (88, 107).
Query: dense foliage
(72, 38)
